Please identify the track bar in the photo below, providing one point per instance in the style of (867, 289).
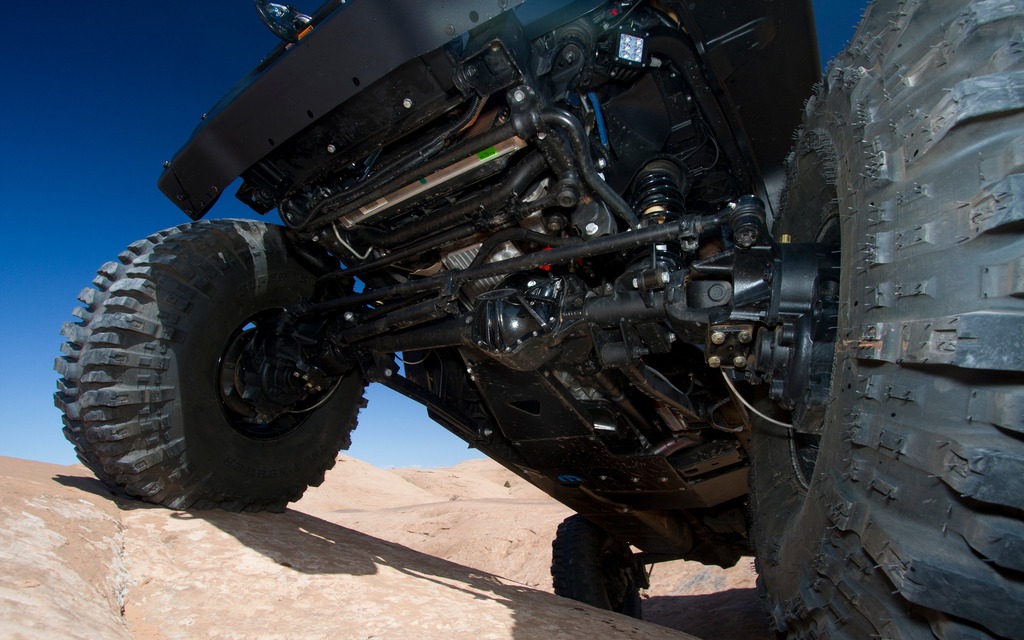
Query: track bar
(688, 227)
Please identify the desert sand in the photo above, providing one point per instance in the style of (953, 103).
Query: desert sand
(460, 552)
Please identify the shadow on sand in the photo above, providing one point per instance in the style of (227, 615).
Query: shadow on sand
(726, 615)
(306, 544)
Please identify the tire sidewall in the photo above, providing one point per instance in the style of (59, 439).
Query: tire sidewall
(783, 515)
(257, 276)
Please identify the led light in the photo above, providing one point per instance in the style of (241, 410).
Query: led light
(631, 48)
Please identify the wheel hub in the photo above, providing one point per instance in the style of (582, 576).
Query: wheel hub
(264, 383)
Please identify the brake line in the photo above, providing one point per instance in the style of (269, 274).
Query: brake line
(342, 242)
(749, 406)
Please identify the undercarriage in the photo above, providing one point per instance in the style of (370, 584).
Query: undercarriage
(561, 254)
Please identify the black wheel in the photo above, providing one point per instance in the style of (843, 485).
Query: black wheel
(902, 518)
(589, 565)
(147, 389)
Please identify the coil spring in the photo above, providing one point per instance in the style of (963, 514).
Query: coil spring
(657, 192)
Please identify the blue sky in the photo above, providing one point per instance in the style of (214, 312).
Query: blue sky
(98, 95)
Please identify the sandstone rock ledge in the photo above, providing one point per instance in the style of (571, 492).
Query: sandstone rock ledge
(80, 563)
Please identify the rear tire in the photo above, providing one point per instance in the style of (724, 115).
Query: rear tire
(590, 566)
(904, 518)
(142, 373)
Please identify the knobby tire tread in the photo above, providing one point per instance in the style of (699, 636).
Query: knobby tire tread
(577, 568)
(912, 526)
(120, 386)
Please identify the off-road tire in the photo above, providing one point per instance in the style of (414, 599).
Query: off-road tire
(590, 566)
(140, 391)
(908, 524)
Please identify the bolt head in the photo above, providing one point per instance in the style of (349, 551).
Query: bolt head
(739, 362)
(666, 277)
(718, 337)
(714, 362)
(349, 316)
(591, 228)
(407, 103)
(745, 337)
(331, 148)
(519, 95)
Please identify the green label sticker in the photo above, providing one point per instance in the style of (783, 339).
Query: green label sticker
(486, 154)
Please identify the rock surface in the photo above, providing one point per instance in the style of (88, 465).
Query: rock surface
(354, 559)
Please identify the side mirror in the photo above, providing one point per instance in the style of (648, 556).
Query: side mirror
(283, 19)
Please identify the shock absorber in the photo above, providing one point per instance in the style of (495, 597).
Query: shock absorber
(659, 195)
(659, 192)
